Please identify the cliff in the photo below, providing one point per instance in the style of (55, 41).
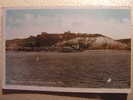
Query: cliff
(75, 41)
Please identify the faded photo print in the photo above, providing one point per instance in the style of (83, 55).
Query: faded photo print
(68, 48)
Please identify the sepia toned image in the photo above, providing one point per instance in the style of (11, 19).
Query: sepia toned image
(84, 48)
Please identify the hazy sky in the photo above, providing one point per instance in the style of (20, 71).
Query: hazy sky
(114, 23)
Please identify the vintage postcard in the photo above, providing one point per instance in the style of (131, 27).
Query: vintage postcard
(67, 49)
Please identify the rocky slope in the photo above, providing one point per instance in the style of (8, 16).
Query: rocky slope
(67, 40)
(98, 42)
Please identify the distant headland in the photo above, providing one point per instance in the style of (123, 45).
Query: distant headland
(67, 41)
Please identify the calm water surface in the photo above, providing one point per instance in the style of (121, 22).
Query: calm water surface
(89, 69)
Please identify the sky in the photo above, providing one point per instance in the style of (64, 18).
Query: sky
(21, 23)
